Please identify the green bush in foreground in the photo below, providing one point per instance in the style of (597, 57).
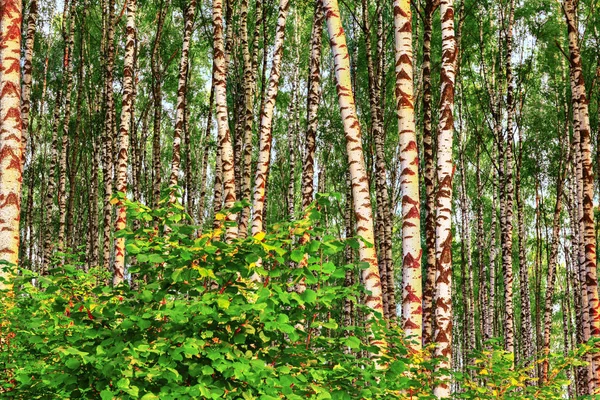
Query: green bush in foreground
(196, 325)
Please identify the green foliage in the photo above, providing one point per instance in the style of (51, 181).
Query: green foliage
(493, 375)
(194, 324)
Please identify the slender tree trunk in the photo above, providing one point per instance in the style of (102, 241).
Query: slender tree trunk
(494, 237)
(155, 63)
(27, 73)
(377, 133)
(429, 176)
(349, 318)
(181, 94)
(467, 258)
(412, 317)
(203, 166)
(62, 175)
(526, 329)
(11, 146)
(128, 103)
(445, 172)
(74, 149)
(250, 72)
(552, 275)
(313, 100)
(25, 134)
(224, 136)
(484, 309)
(108, 135)
(292, 133)
(94, 257)
(507, 226)
(587, 178)
(354, 148)
(266, 134)
(54, 157)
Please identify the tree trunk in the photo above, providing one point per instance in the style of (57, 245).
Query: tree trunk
(587, 179)
(108, 135)
(27, 73)
(25, 111)
(552, 274)
(11, 146)
(224, 136)
(181, 94)
(412, 317)
(354, 148)
(128, 103)
(445, 172)
(155, 64)
(377, 133)
(76, 155)
(250, 72)
(526, 329)
(203, 166)
(508, 193)
(266, 134)
(54, 157)
(429, 176)
(313, 100)
(62, 168)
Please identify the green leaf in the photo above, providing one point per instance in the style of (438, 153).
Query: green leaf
(313, 247)
(353, 342)
(72, 363)
(252, 258)
(106, 395)
(132, 248)
(297, 255)
(156, 259)
(146, 296)
(309, 296)
(223, 303)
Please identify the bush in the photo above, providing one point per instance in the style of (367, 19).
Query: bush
(193, 324)
(197, 326)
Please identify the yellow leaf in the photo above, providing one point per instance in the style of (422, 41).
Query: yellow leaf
(484, 372)
(114, 201)
(259, 236)
(220, 216)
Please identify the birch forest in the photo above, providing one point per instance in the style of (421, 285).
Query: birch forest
(290, 199)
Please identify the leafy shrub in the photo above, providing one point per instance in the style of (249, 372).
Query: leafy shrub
(193, 324)
(197, 326)
(493, 375)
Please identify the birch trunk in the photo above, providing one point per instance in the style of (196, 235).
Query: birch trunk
(587, 179)
(155, 64)
(445, 172)
(360, 188)
(128, 103)
(27, 73)
(552, 265)
(62, 176)
(181, 94)
(508, 193)
(429, 176)
(203, 166)
(11, 147)
(412, 292)
(250, 72)
(108, 136)
(266, 134)
(224, 136)
(313, 100)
